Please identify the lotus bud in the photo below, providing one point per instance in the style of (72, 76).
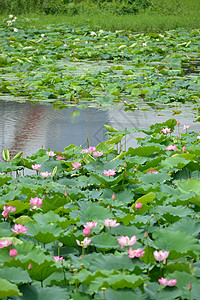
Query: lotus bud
(86, 231)
(66, 194)
(108, 207)
(30, 266)
(13, 253)
(178, 123)
(189, 286)
(138, 205)
(146, 234)
(113, 197)
(5, 214)
(125, 165)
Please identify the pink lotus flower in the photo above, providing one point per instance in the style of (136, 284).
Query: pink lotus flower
(76, 165)
(45, 174)
(36, 202)
(111, 223)
(153, 171)
(125, 241)
(50, 153)
(138, 205)
(135, 253)
(84, 151)
(161, 255)
(172, 282)
(184, 149)
(86, 231)
(90, 225)
(64, 45)
(97, 153)
(36, 167)
(13, 253)
(109, 172)
(166, 130)
(185, 127)
(171, 147)
(3, 173)
(4, 243)
(164, 281)
(91, 149)
(57, 258)
(60, 157)
(84, 243)
(18, 228)
(10, 209)
(5, 214)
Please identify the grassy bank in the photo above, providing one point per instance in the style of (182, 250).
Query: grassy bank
(157, 17)
(136, 23)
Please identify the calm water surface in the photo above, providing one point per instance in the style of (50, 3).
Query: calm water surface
(26, 127)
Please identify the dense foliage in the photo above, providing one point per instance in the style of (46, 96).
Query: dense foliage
(67, 65)
(101, 224)
(71, 7)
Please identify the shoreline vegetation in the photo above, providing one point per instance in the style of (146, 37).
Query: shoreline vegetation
(137, 16)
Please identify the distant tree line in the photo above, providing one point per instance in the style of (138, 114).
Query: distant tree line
(72, 7)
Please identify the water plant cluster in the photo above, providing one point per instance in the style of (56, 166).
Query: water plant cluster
(69, 66)
(104, 222)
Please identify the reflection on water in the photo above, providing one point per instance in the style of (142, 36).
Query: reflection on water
(26, 127)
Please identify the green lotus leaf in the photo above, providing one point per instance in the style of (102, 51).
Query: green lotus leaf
(44, 233)
(182, 283)
(172, 214)
(42, 271)
(115, 140)
(23, 220)
(95, 261)
(105, 148)
(122, 198)
(128, 230)
(121, 294)
(192, 185)
(116, 282)
(174, 162)
(110, 128)
(30, 292)
(81, 296)
(15, 275)
(178, 243)
(93, 212)
(154, 178)
(87, 277)
(187, 225)
(5, 178)
(105, 241)
(153, 290)
(181, 267)
(8, 289)
(143, 151)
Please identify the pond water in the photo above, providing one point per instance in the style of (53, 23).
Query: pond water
(27, 127)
